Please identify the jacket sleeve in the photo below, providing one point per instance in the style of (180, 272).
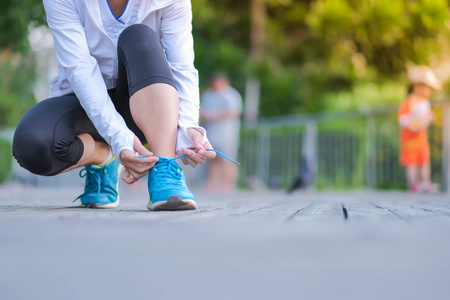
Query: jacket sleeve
(84, 74)
(177, 40)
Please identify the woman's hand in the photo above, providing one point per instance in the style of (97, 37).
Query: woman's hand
(135, 167)
(193, 158)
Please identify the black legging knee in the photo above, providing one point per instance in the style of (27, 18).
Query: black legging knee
(45, 141)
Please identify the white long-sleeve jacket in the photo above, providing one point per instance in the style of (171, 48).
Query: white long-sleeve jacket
(87, 63)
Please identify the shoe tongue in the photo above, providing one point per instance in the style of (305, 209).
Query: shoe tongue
(169, 165)
(163, 160)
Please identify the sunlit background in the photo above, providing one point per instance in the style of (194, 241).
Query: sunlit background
(320, 80)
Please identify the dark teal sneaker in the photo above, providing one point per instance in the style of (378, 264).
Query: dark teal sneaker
(167, 187)
(101, 188)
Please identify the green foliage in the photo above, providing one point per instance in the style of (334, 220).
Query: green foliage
(321, 49)
(218, 45)
(17, 72)
(279, 87)
(5, 159)
(224, 57)
(316, 51)
(388, 34)
(16, 81)
(366, 96)
(15, 19)
(330, 18)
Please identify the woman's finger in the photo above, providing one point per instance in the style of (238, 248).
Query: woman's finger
(139, 165)
(191, 161)
(142, 160)
(137, 172)
(209, 154)
(192, 158)
(128, 178)
(184, 158)
(198, 158)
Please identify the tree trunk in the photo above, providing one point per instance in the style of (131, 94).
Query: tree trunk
(258, 11)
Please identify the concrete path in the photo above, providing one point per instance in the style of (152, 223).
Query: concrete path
(248, 245)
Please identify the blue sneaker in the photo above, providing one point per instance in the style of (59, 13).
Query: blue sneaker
(101, 188)
(167, 187)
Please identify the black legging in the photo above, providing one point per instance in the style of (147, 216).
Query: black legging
(46, 142)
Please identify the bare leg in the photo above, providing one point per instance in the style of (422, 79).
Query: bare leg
(155, 111)
(425, 173)
(94, 152)
(214, 175)
(230, 173)
(411, 175)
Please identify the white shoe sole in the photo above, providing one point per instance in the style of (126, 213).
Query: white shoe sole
(173, 203)
(109, 205)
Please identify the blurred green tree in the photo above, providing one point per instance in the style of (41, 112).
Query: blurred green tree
(388, 34)
(312, 48)
(17, 64)
(320, 47)
(15, 20)
(17, 75)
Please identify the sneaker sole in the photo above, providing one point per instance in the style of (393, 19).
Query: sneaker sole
(102, 206)
(173, 203)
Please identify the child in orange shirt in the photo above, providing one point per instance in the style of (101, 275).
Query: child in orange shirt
(414, 117)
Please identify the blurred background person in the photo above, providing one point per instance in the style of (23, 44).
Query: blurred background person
(415, 116)
(220, 111)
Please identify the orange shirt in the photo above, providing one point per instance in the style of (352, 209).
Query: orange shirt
(414, 147)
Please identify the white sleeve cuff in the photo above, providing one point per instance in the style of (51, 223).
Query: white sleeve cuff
(183, 139)
(128, 144)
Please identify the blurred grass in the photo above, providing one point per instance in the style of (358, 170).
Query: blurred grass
(5, 159)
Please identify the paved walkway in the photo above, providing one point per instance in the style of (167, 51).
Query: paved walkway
(248, 245)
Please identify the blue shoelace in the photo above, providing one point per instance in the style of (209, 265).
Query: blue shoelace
(170, 173)
(183, 155)
(94, 180)
(95, 176)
